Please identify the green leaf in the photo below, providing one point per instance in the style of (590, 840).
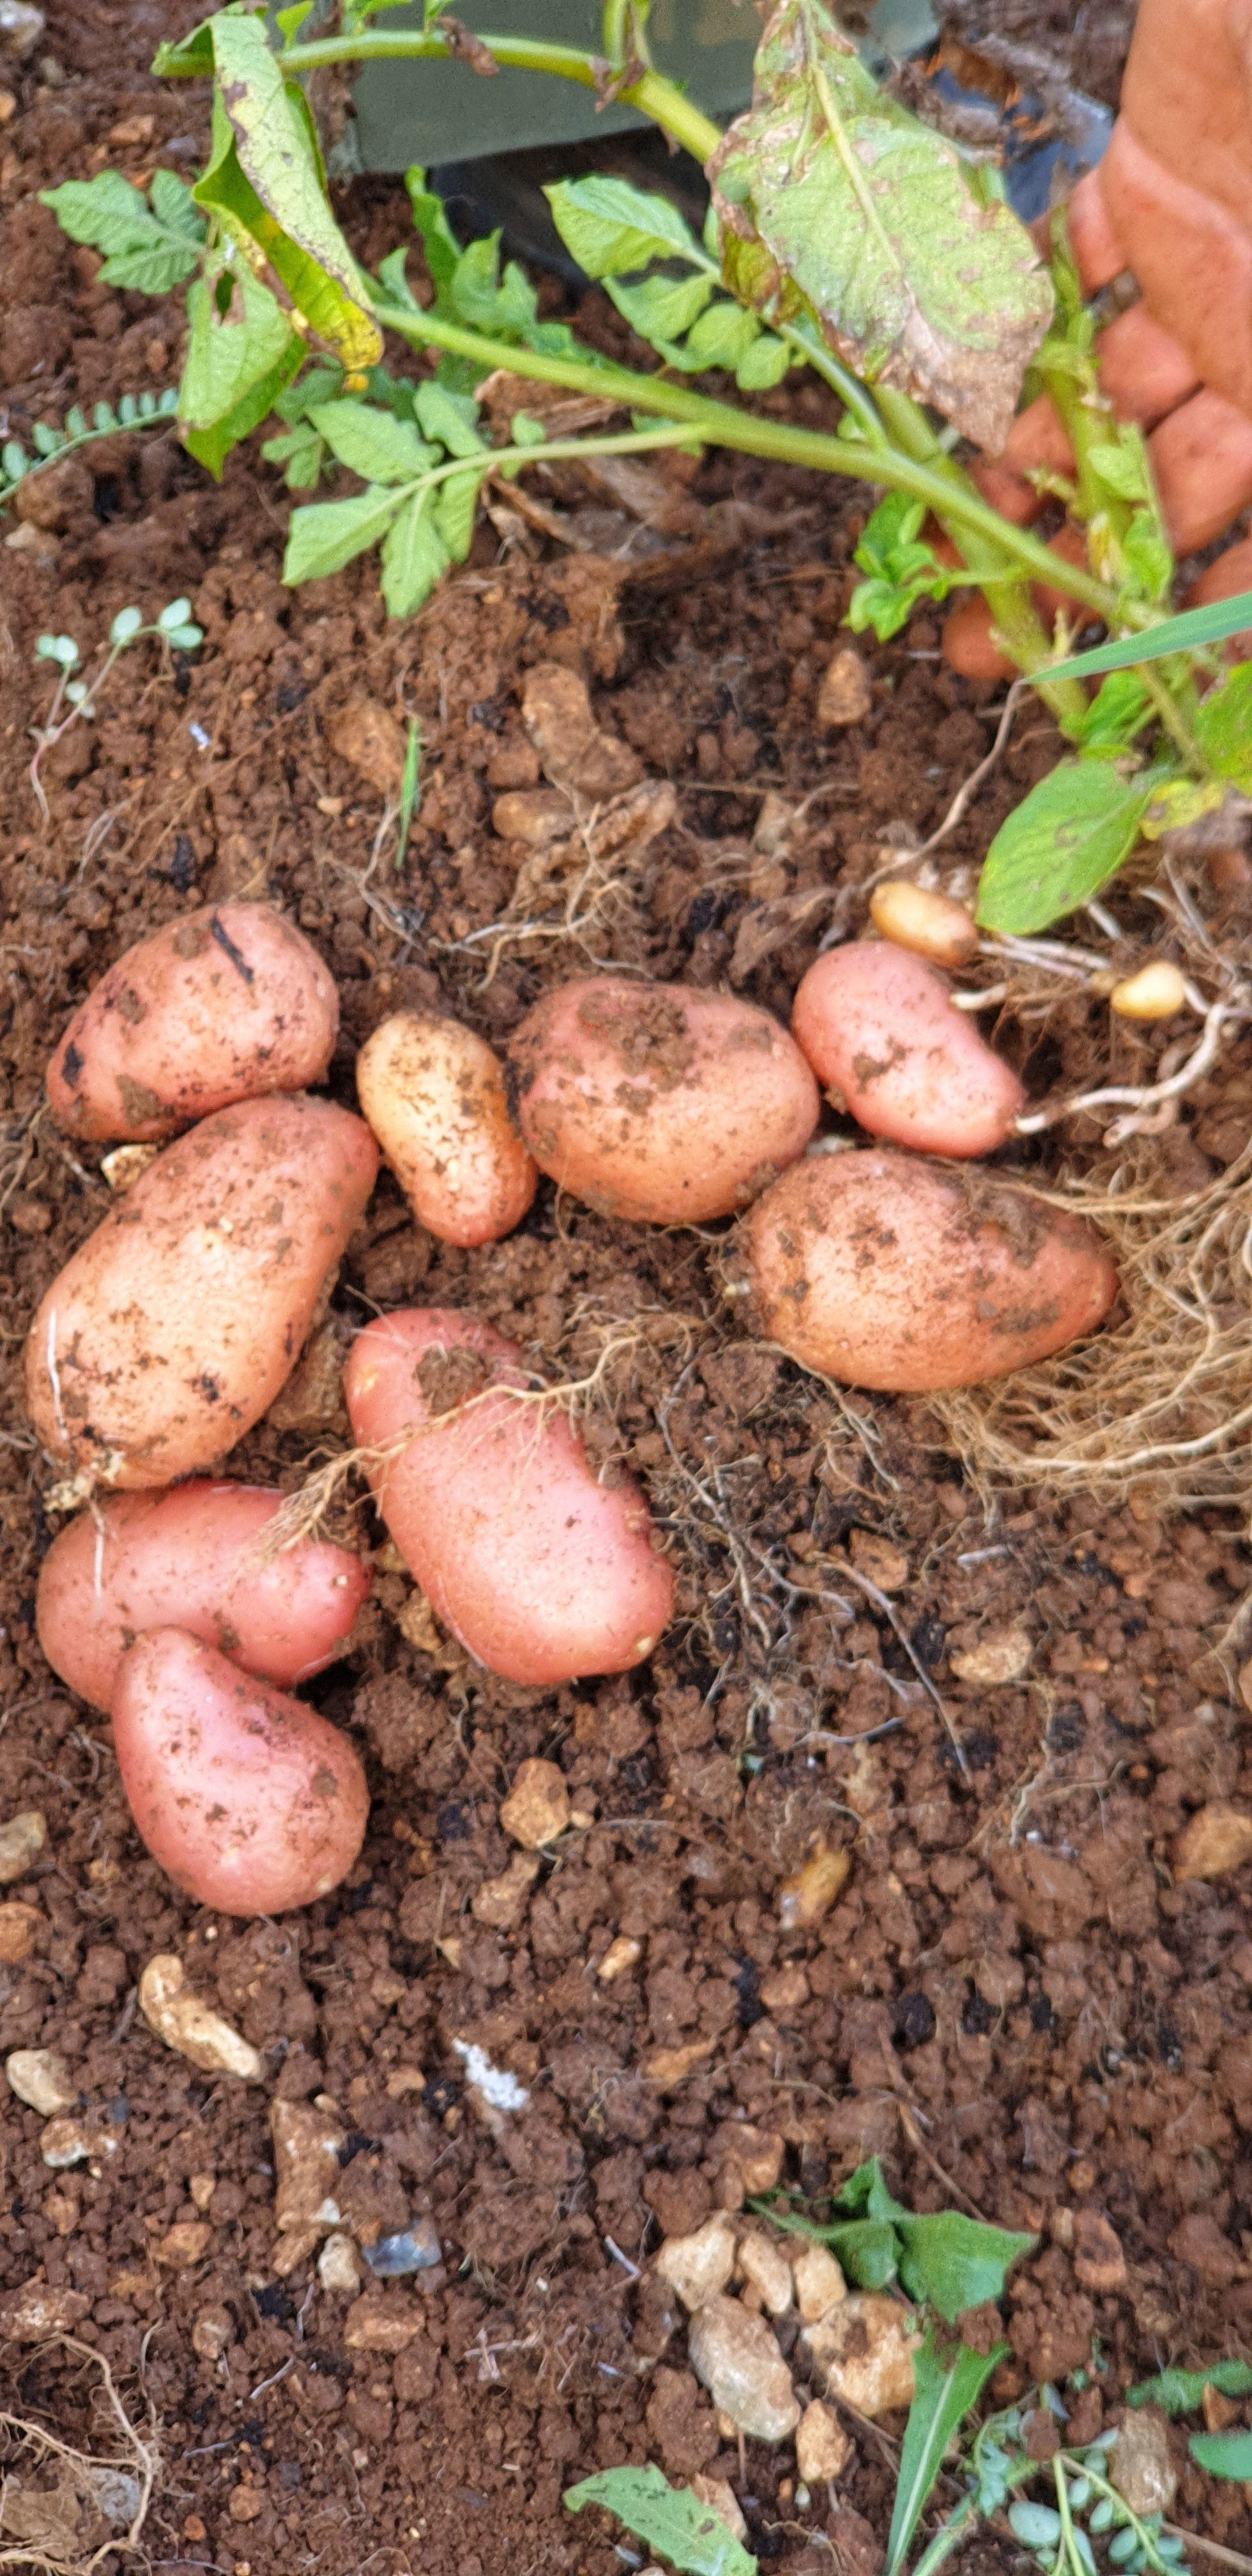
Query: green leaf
(722, 335)
(301, 452)
(828, 190)
(1223, 727)
(1177, 803)
(1065, 841)
(524, 431)
(613, 229)
(956, 2262)
(449, 418)
(290, 21)
(149, 247)
(1189, 632)
(1123, 469)
(439, 242)
(238, 359)
(1119, 711)
(1037, 2526)
(1224, 2455)
(1147, 561)
(190, 58)
(456, 510)
(662, 308)
(391, 275)
(945, 2391)
(373, 444)
(326, 535)
(763, 365)
(415, 557)
(1177, 2392)
(320, 384)
(271, 187)
(667, 2519)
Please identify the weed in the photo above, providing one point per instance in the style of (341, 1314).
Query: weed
(78, 697)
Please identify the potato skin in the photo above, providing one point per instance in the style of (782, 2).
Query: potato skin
(226, 1004)
(542, 1573)
(657, 1101)
(249, 1801)
(877, 1027)
(884, 1271)
(183, 1560)
(434, 1095)
(175, 1324)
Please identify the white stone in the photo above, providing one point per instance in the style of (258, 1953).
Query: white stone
(736, 2357)
(699, 2265)
(823, 2449)
(722, 2500)
(338, 2269)
(42, 2080)
(863, 2352)
(820, 2284)
(22, 1841)
(763, 2262)
(190, 2026)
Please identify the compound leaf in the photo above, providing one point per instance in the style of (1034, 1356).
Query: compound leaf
(148, 247)
(1058, 847)
(828, 191)
(673, 2521)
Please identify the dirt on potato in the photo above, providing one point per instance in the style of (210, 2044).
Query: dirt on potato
(1017, 2000)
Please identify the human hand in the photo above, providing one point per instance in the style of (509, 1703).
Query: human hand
(1171, 202)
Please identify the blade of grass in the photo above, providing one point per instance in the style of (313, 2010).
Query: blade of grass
(410, 796)
(1186, 633)
(945, 2391)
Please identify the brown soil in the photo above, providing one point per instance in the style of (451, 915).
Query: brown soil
(1012, 2002)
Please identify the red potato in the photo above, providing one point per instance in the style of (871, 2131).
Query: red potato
(879, 1030)
(187, 1559)
(882, 1271)
(434, 1096)
(249, 1801)
(541, 1572)
(659, 1102)
(226, 1004)
(175, 1324)
(1224, 579)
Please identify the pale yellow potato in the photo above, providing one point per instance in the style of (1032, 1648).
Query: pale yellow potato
(175, 1324)
(434, 1096)
(883, 1270)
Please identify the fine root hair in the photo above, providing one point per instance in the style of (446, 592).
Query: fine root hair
(66, 2511)
(1161, 1401)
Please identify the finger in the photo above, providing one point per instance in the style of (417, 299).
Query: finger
(1093, 235)
(968, 645)
(1231, 573)
(1143, 370)
(1036, 439)
(1192, 259)
(1202, 461)
(1186, 92)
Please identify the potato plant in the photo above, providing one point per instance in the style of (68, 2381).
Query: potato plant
(844, 237)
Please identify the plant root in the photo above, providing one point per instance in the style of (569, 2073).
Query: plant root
(66, 2511)
(1160, 1402)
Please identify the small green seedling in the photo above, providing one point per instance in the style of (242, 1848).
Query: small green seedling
(76, 698)
(135, 411)
(1179, 2392)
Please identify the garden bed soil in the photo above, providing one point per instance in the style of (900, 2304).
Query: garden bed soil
(1014, 2002)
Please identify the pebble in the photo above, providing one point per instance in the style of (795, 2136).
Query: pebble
(22, 1841)
(699, 2265)
(417, 2250)
(78, 2142)
(807, 1896)
(190, 2026)
(122, 1168)
(365, 734)
(844, 695)
(307, 2145)
(736, 2357)
(1099, 2263)
(1155, 993)
(863, 2352)
(823, 2449)
(377, 2325)
(1001, 1655)
(501, 1902)
(213, 2333)
(764, 2264)
(1215, 1841)
(622, 1954)
(338, 2269)
(41, 2079)
(752, 2157)
(20, 1927)
(722, 2500)
(882, 1564)
(184, 2244)
(1141, 2467)
(820, 2284)
(29, 2314)
(536, 1809)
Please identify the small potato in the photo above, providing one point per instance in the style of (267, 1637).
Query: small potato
(434, 1095)
(175, 1324)
(186, 1559)
(883, 1271)
(878, 1028)
(249, 1801)
(657, 1101)
(542, 1573)
(226, 1004)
